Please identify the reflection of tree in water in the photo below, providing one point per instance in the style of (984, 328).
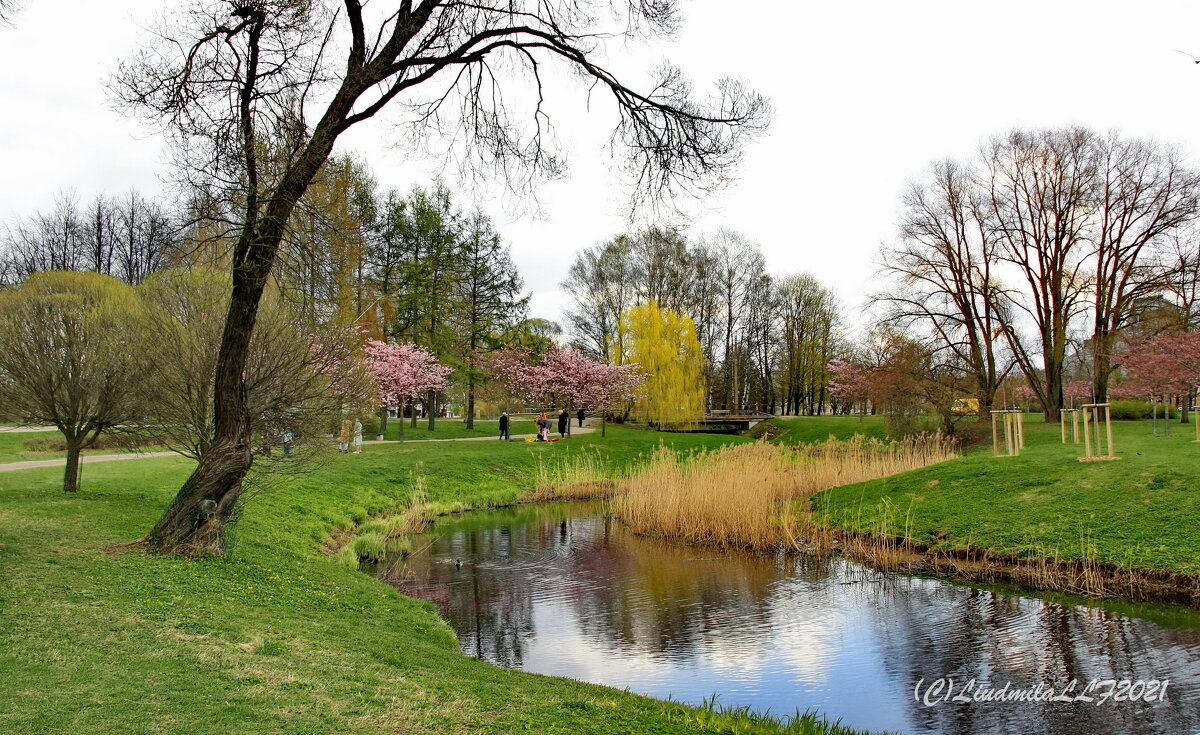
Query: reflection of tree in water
(587, 579)
(930, 630)
(491, 613)
(665, 599)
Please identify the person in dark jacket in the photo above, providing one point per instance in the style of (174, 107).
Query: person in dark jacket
(504, 426)
(564, 418)
(580, 416)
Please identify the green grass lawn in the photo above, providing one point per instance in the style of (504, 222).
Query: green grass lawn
(13, 449)
(277, 638)
(1141, 511)
(455, 429)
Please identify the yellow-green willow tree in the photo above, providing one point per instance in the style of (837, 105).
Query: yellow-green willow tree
(664, 344)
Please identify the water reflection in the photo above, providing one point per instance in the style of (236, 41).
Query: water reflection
(565, 590)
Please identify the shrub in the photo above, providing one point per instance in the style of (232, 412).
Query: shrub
(1136, 410)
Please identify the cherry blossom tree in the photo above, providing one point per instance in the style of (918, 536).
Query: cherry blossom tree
(1161, 366)
(402, 372)
(565, 377)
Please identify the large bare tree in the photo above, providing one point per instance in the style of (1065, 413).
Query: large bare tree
(1144, 194)
(943, 280)
(1040, 187)
(233, 79)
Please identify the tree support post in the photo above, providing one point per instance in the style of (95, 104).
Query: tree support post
(1092, 415)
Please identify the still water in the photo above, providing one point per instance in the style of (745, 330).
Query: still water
(564, 589)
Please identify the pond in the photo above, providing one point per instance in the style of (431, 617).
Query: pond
(566, 590)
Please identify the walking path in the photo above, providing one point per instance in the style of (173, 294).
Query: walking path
(27, 428)
(90, 458)
(86, 459)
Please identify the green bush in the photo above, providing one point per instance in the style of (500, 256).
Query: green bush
(1136, 410)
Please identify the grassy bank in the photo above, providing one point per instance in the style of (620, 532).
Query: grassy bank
(1137, 513)
(277, 638)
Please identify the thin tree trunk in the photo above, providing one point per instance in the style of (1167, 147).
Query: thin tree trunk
(432, 410)
(470, 404)
(71, 475)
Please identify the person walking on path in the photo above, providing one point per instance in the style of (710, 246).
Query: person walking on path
(504, 426)
(344, 437)
(357, 436)
(580, 416)
(564, 419)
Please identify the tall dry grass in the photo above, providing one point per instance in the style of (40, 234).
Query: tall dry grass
(743, 495)
(580, 476)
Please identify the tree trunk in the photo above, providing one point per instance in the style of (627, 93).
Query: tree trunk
(432, 409)
(383, 419)
(470, 404)
(71, 476)
(195, 523)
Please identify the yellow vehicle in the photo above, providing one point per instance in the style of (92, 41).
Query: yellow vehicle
(965, 407)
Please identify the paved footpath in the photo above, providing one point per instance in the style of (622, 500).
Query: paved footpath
(90, 458)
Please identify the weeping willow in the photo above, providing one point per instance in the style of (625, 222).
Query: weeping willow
(664, 343)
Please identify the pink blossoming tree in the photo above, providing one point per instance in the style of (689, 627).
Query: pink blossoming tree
(1161, 366)
(402, 372)
(565, 378)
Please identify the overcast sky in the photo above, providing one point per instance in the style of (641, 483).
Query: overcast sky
(866, 95)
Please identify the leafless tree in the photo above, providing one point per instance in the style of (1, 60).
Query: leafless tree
(1040, 186)
(1144, 192)
(127, 238)
(8, 9)
(942, 277)
(224, 77)
(1180, 261)
(601, 283)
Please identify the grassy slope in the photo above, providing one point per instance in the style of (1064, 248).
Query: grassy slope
(277, 638)
(1141, 511)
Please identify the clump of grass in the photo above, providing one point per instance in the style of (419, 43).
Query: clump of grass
(578, 476)
(347, 556)
(370, 546)
(374, 538)
(743, 495)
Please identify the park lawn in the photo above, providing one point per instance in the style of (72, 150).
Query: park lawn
(12, 447)
(1141, 511)
(455, 429)
(276, 638)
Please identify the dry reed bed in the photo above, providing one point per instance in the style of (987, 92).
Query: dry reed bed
(742, 495)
